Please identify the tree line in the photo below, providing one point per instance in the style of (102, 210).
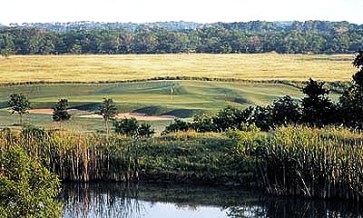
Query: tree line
(253, 37)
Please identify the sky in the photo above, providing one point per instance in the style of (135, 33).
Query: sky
(203, 11)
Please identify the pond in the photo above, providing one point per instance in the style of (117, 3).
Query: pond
(155, 201)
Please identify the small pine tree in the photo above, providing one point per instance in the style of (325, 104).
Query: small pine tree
(60, 112)
(317, 108)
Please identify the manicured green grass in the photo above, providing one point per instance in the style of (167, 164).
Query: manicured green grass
(91, 68)
(167, 95)
(204, 95)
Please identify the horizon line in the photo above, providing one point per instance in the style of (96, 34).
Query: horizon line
(168, 21)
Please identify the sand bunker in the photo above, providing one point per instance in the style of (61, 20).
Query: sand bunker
(41, 111)
(50, 111)
(137, 116)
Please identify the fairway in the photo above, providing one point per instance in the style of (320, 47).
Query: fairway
(175, 98)
(93, 68)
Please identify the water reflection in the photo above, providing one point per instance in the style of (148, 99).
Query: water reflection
(150, 200)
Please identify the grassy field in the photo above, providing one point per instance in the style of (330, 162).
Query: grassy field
(178, 98)
(91, 68)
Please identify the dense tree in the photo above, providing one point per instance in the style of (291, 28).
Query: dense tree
(108, 111)
(131, 128)
(145, 130)
(60, 112)
(160, 38)
(351, 102)
(317, 108)
(127, 127)
(6, 45)
(177, 125)
(285, 111)
(231, 117)
(203, 123)
(19, 104)
(27, 188)
(262, 118)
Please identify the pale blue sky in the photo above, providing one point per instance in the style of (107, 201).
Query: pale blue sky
(175, 10)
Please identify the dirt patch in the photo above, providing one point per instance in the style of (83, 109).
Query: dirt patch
(137, 116)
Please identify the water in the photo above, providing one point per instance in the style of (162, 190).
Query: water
(183, 201)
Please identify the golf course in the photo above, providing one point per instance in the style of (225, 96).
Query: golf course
(158, 88)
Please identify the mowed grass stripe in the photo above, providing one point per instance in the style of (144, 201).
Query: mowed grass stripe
(92, 68)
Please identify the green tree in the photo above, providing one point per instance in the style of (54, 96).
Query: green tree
(145, 42)
(126, 126)
(108, 110)
(6, 45)
(351, 102)
(60, 112)
(203, 123)
(27, 188)
(131, 128)
(144, 130)
(177, 125)
(231, 117)
(317, 108)
(262, 117)
(285, 111)
(19, 104)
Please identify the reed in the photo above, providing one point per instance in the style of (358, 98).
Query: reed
(319, 163)
(300, 161)
(83, 157)
(75, 156)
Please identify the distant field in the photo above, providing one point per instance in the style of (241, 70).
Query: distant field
(91, 68)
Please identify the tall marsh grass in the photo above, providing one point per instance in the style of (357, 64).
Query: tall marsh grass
(84, 157)
(317, 163)
(75, 156)
(322, 163)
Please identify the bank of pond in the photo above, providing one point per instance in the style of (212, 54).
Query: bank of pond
(322, 163)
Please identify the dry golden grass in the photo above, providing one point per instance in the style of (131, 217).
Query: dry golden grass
(91, 68)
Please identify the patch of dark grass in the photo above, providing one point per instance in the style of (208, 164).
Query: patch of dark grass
(151, 110)
(184, 113)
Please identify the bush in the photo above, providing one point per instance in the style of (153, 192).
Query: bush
(203, 123)
(27, 188)
(178, 125)
(131, 127)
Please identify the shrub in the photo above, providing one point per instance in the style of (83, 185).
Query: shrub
(177, 125)
(27, 188)
(131, 127)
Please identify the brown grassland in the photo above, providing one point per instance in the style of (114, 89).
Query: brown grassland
(93, 68)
